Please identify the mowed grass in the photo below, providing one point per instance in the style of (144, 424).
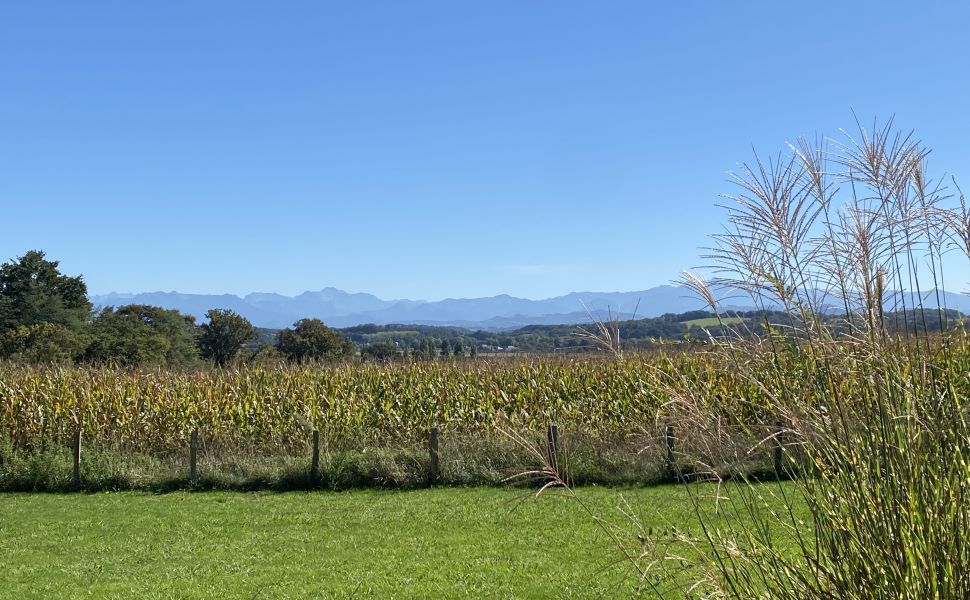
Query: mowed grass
(429, 543)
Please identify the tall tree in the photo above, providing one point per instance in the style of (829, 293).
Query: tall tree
(382, 352)
(43, 313)
(224, 335)
(43, 343)
(426, 349)
(139, 334)
(310, 339)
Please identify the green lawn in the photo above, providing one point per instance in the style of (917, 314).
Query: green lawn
(428, 543)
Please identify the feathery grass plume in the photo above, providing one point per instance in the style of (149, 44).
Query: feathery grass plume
(958, 224)
(605, 333)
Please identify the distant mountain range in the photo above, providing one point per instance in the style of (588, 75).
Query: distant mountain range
(342, 309)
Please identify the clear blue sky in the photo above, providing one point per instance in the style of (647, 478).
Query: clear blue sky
(427, 150)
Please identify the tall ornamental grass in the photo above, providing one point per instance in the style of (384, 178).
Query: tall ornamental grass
(863, 380)
(855, 227)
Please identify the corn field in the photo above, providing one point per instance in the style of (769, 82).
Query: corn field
(378, 405)
(368, 403)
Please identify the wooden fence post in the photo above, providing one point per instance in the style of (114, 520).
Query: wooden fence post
(433, 451)
(669, 449)
(315, 458)
(76, 477)
(779, 451)
(193, 453)
(552, 441)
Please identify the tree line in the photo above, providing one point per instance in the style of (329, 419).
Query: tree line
(46, 317)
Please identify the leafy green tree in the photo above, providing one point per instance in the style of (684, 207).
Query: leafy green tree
(224, 335)
(310, 339)
(41, 309)
(445, 348)
(43, 343)
(426, 349)
(264, 354)
(382, 352)
(459, 348)
(139, 334)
